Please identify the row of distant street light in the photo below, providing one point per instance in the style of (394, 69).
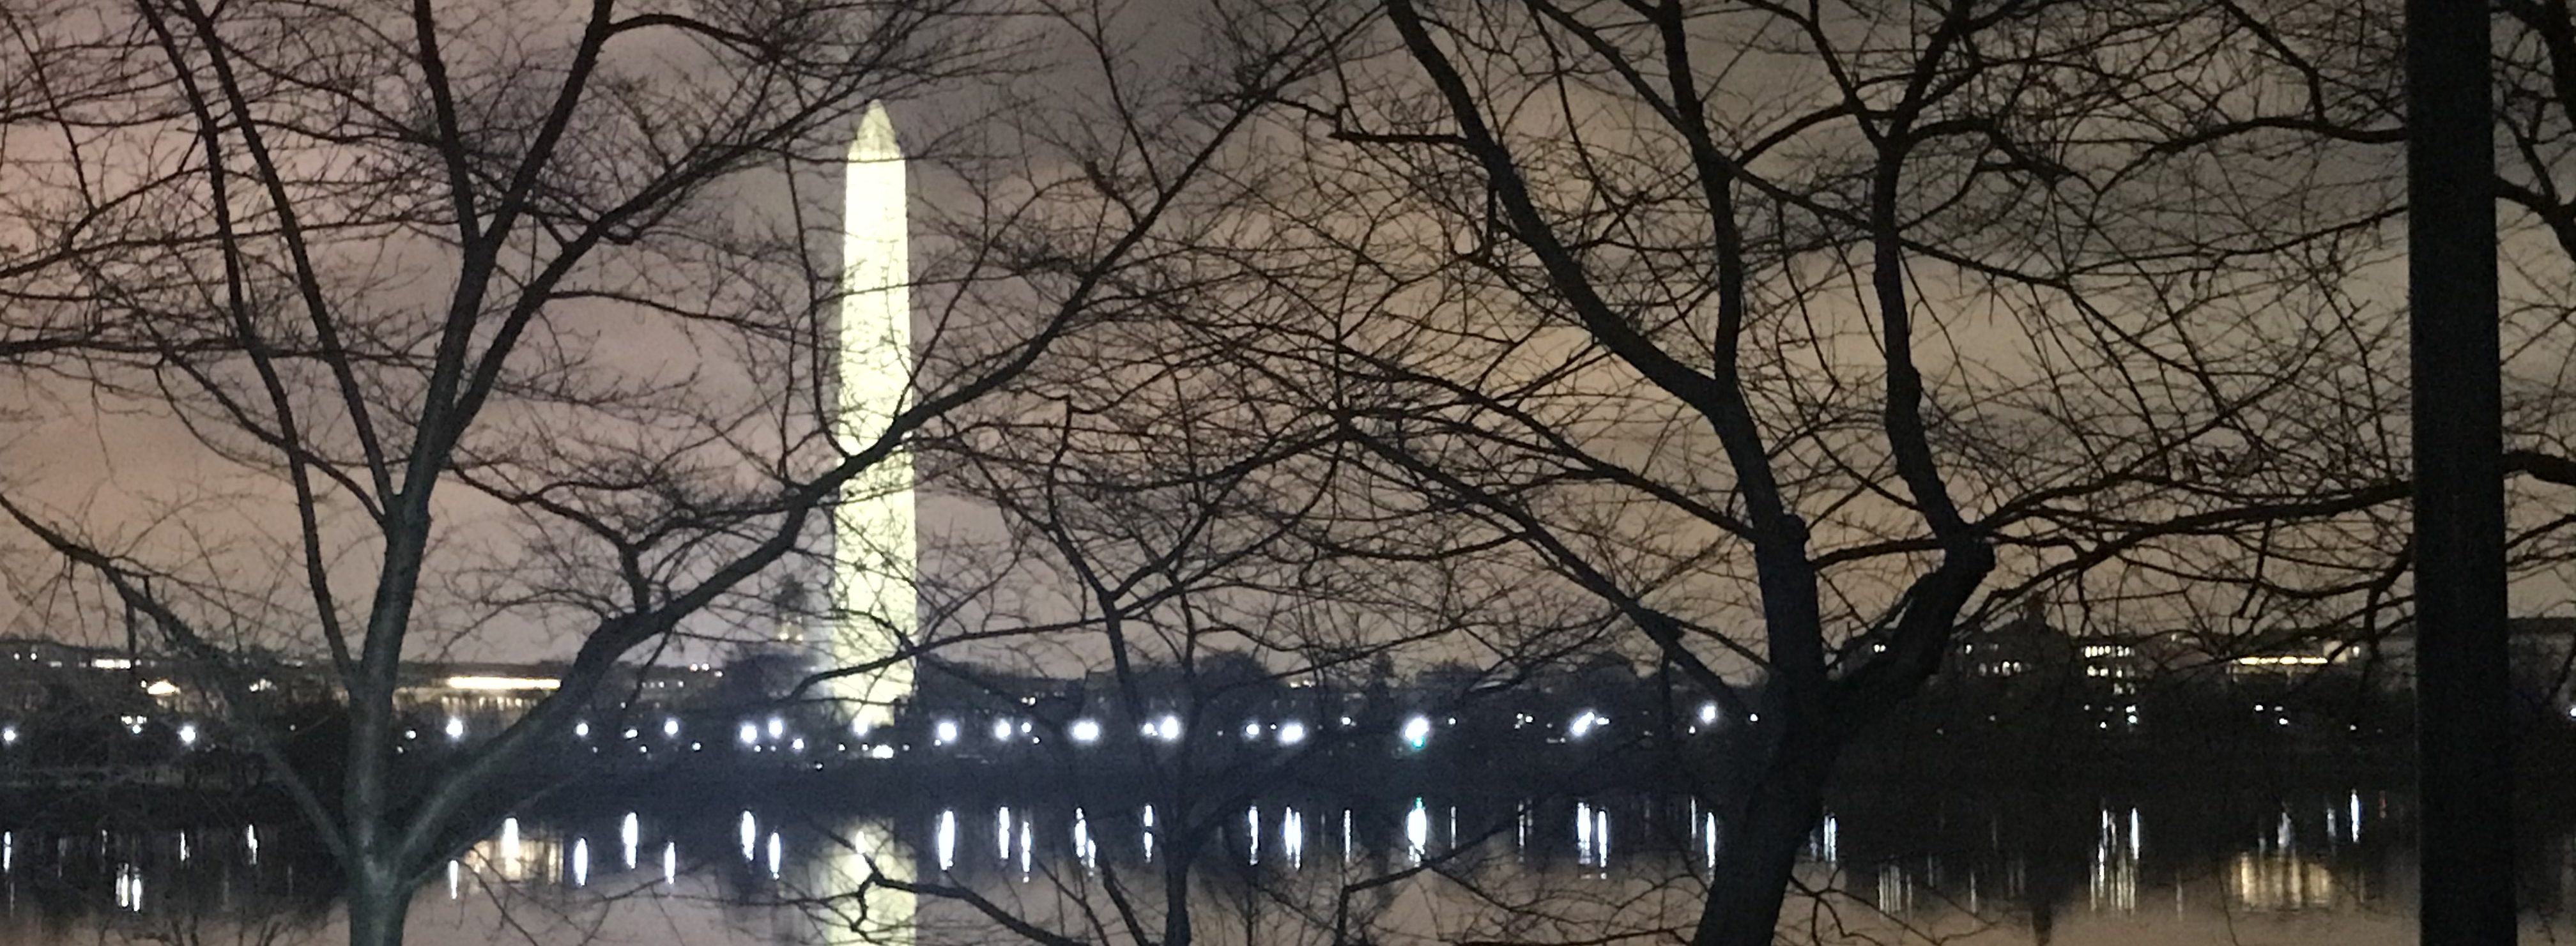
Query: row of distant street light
(753, 736)
(1415, 733)
(185, 731)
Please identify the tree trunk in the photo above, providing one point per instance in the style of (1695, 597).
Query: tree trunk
(2464, 767)
(1176, 898)
(377, 909)
(1751, 878)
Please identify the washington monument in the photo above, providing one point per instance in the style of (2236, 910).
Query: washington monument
(872, 533)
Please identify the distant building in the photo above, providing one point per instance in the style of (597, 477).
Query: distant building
(2098, 675)
(2029, 645)
(481, 698)
(2543, 653)
(35, 674)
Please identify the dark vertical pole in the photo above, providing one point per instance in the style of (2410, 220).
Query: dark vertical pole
(2465, 762)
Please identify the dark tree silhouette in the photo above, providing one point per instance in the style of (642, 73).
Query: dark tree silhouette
(498, 320)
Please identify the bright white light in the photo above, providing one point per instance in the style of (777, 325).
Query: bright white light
(1417, 828)
(581, 729)
(775, 854)
(750, 734)
(1583, 723)
(671, 727)
(945, 732)
(859, 726)
(8, 735)
(1591, 835)
(1417, 732)
(1169, 728)
(947, 839)
(1252, 730)
(1708, 830)
(129, 887)
(629, 832)
(670, 861)
(581, 862)
(777, 727)
(1084, 730)
(797, 746)
(2291, 661)
(881, 752)
(187, 734)
(1292, 837)
(1707, 714)
(455, 728)
(161, 688)
(750, 832)
(503, 683)
(1082, 846)
(630, 733)
(1001, 730)
(1291, 733)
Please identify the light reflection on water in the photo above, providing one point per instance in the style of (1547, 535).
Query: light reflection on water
(1417, 832)
(1082, 847)
(2067, 867)
(947, 838)
(629, 832)
(1292, 838)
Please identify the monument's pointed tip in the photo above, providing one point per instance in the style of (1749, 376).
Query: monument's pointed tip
(876, 140)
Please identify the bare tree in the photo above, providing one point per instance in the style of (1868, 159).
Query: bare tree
(509, 325)
(1804, 336)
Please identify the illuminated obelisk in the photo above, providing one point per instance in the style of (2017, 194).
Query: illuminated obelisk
(872, 542)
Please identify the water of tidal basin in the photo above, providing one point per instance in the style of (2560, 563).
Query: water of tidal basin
(2329, 867)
